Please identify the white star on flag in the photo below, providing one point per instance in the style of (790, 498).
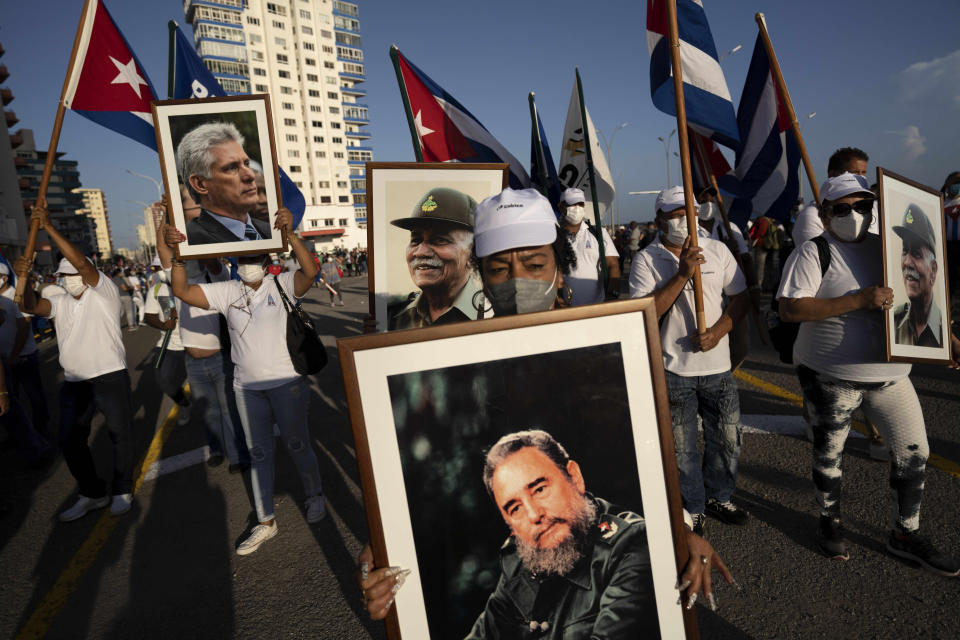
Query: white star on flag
(421, 130)
(128, 74)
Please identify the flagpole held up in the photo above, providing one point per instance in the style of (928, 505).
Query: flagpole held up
(41, 200)
(542, 168)
(417, 149)
(782, 88)
(597, 230)
(685, 157)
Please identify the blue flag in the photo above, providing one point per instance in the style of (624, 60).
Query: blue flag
(540, 149)
(192, 79)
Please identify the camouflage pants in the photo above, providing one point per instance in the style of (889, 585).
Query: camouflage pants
(893, 407)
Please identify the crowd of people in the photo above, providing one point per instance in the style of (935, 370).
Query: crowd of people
(467, 260)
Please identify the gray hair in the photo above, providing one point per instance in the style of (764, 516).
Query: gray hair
(193, 152)
(513, 442)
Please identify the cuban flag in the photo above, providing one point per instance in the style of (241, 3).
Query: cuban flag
(543, 173)
(446, 131)
(107, 83)
(707, 99)
(192, 79)
(769, 157)
(706, 160)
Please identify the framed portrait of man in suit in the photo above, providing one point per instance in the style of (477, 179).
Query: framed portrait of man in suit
(219, 165)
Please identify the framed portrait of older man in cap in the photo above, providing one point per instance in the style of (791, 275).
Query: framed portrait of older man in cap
(523, 470)
(420, 241)
(219, 166)
(914, 257)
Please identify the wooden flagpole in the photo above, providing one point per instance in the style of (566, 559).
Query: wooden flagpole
(417, 149)
(782, 87)
(41, 200)
(685, 156)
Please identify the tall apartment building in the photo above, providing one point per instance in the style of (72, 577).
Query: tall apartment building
(95, 208)
(13, 224)
(62, 200)
(306, 55)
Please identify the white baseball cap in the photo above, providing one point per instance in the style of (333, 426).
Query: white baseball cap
(671, 199)
(844, 185)
(66, 268)
(155, 262)
(572, 196)
(512, 219)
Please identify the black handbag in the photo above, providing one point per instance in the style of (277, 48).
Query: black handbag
(306, 351)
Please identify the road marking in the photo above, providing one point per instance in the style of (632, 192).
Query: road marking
(56, 598)
(177, 462)
(936, 461)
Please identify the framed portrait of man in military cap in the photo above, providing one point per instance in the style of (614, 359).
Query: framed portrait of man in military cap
(420, 241)
(523, 470)
(912, 228)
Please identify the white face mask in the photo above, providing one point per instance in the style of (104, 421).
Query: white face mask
(574, 214)
(849, 228)
(707, 211)
(676, 233)
(250, 272)
(74, 284)
(162, 276)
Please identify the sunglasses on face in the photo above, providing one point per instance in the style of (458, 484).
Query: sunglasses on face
(842, 209)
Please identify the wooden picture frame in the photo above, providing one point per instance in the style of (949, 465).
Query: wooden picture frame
(206, 237)
(393, 190)
(911, 215)
(426, 404)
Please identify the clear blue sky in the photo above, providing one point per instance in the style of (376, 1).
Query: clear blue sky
(882, 75)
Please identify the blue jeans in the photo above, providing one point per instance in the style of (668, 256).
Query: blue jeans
(285, 406)
(110, 393)
(714, 397)
(211, 390)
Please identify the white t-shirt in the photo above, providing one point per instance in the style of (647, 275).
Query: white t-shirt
(808, 225)
(850, 346)
(160, 298)
(134, 283)
(200, 328)
(653, 267)
(51, 290)
(584, 280)
(30, 346)
(88, 331)
(715, 235)
(258, 330)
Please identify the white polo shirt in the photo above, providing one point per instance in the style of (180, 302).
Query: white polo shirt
(200, 328)
(258, 330)
(715, 235)
(159, 297)
(88, 331)
(30, 346)
(584, 280)
(653, 267)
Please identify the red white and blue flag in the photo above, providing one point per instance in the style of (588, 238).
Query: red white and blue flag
(706, 160)
(769, 156)
(107, 83)
(446, 131)
(706, 97)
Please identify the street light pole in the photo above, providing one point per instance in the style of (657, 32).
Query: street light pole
(666, 151)
(608, 145)
(151, 179)
(799, 169)
(731, 52)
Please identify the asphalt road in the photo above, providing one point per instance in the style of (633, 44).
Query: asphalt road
(168, 569)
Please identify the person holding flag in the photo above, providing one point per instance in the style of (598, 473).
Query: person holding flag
(584, 277)
(95, 374)
(697, 365)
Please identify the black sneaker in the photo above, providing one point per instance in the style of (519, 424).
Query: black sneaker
(830, 538)
(726, 512)
(919, 550)
(699, 523)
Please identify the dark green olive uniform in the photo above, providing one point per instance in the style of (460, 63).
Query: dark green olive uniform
(608, 594)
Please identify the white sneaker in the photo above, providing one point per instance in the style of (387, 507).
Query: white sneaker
(184, 416)
(316, 509)
(258, 535)
(121, 504)
(82, 506)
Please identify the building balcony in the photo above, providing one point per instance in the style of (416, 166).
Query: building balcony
(361, 105)
(359, 148)
(353, 91)
(11, 119)
(4, 74)
(353, 76)
(355, 119)
(6, 95)
(357, 163)
(359, 135)
(189, 5)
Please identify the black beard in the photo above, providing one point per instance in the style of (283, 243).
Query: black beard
(560, 560)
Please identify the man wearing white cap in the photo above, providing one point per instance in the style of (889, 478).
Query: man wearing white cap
(584, 279)
(841, 362)
(697, 365)
(24, 361)
(94, 369)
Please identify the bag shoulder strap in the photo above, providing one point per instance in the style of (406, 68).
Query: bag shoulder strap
(287, 305)
(823, 250)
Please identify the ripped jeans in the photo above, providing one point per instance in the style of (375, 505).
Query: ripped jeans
(715, 398)
(893, 407)
(286, 406)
